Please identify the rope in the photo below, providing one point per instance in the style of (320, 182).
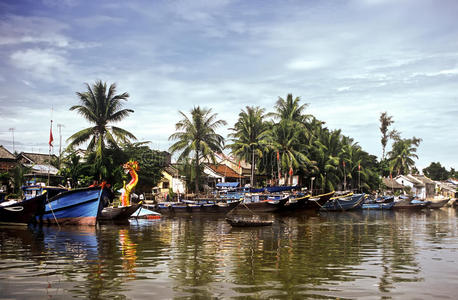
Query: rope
(52, 211)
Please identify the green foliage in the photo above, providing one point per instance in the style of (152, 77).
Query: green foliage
(151, 163)
(101, 106)
(196, 137)
(402, 154)
(436, 171)
(249, 136)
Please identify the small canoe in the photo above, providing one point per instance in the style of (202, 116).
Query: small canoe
(248, 222)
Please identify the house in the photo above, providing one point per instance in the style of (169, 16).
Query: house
(40, 166)
(241, 167)
(220, 173)
(171, 179)
(7, 160)
(417, 187)
(446, 189)
(392, 185)
(430, 185)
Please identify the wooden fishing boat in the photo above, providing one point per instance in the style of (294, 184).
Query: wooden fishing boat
(268, 205)
(411, 204)
(296, 203)
(120, 213)
(378, 206)
(344, 204)
(23, 212)
(76, 207)
(317, 202)
(188, 207)
(438, 203)
(238, 222)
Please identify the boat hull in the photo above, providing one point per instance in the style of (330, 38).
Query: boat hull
(122, 213)
(262, 206)
(378, 206)
(344, 204)
(184, 208)
(22, 212)
(75, 207)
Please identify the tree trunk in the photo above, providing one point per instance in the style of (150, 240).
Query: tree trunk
(197, 173)
(252, 169)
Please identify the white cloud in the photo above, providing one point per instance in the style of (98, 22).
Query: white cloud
(303, 64)
(42, 63)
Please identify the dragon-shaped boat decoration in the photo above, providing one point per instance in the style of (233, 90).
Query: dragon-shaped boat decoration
(132, 167)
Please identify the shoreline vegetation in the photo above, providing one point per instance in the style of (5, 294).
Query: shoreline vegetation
(277, 145)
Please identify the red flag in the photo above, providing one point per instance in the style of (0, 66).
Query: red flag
(50, 136)
(239, 164)
(290, 171)
(278, 155)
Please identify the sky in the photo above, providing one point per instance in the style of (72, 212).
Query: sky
(348, 60)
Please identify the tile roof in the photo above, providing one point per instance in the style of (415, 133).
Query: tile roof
(223, 170)
(5, 154)
(38, 158)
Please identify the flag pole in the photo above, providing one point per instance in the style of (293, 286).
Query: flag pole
(50, 147)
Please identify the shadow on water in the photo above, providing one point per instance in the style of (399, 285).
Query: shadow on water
(320, 255)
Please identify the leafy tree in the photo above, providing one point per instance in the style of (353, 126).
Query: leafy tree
(101, 106)
(436, 171)
(75, 171)
(196, 137)
(151, 163)
(249, 136)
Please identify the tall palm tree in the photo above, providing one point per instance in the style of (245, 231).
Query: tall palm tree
(290, 109)
(284, 139)
(196, 137)
(101, 106)
(249, 136)
(385, 122)
(402, 154)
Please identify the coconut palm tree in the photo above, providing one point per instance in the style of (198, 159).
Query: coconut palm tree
(284, 139)
(402, 154)
(196, 137)
(385, 122)
(290, 109)
(101, 106)
(249, 136)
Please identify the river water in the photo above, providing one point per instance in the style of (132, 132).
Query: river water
(364, 255)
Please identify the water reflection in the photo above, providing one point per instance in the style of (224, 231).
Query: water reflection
(331, 255)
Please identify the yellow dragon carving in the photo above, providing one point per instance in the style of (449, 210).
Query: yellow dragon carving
(132, 166)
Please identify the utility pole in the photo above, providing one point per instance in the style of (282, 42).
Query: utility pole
(12, 132)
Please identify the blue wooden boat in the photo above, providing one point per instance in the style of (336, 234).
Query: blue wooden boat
(76, 207)
(343, 204)
(382, 206)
